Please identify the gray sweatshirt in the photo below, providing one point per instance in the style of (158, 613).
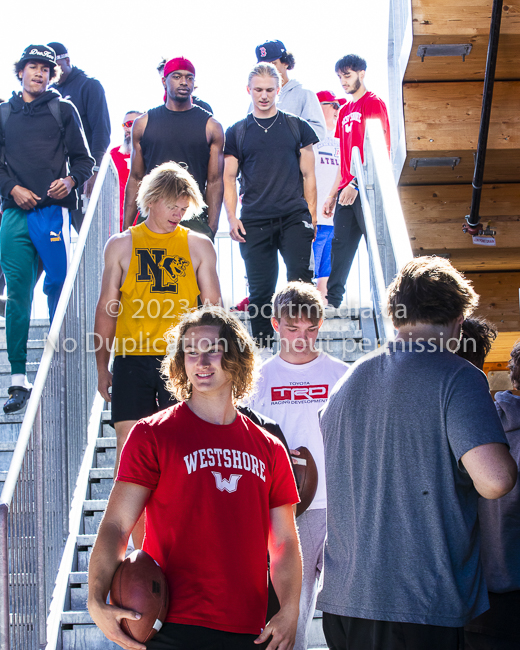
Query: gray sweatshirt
(500, 518)
(293, 98)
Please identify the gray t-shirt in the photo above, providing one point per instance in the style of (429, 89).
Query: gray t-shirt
(403, 540)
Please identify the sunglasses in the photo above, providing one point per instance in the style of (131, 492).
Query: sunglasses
(334, 105)
(128, 124)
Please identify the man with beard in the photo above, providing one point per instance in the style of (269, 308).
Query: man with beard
(181, 132)
(88, 96)
(343, 200)
(121, 157)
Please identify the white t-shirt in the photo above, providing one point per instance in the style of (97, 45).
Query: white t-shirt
(292, 395)
(326, 163)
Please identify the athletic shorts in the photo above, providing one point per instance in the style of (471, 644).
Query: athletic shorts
(138, 388)
(174, 636)
(322, 247)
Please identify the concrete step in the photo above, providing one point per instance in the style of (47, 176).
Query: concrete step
(93, 510)
(80, 633)
(6, 454)
(78, 583)
(84, 544)
(101, 482)
(38, 329)
(5, 375)
(105, 452)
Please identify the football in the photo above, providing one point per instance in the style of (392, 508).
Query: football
(306, 474)
(140, 585)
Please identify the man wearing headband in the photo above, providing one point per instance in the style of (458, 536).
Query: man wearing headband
(88, 96)
(181, 132)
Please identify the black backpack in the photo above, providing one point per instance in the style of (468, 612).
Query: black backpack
(54, 108)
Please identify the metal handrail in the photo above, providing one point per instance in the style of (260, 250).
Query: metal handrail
(373, 247)
(400, 239)
(35, 500)
(51, 344)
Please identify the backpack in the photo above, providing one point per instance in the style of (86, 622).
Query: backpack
(54, 108)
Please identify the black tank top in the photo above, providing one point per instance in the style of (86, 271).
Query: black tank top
(179, 136)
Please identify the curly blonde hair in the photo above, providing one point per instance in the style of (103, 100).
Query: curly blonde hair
(238, 360)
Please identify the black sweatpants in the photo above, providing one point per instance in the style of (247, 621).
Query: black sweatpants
(349, 225)
(292, 236)
(348, 633)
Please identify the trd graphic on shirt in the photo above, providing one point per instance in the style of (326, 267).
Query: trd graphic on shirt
(160, 270)
(348, 119)
(226, 484)
(55, 236)
(299, 394)
(225, 458)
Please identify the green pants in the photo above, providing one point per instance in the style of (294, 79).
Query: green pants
(19, 259)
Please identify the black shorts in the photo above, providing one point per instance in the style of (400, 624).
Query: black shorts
(174, 636)
(346, 632)
(138, 388)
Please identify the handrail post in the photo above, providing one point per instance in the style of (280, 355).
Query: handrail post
(372, 244)
(5, 643)
(473, 218)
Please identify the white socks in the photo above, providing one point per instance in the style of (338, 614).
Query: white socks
(20, 380)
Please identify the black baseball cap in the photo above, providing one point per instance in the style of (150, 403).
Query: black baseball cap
(269, 51)
(60, 49)
(39, 53)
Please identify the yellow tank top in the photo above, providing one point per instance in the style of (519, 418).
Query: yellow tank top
(159, 288)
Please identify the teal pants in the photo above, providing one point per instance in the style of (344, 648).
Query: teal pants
(25, 236)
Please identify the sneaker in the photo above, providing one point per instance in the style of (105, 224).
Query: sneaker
(332, 312)
(241, 306)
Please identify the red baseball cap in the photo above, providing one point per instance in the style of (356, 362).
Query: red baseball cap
(326, 96)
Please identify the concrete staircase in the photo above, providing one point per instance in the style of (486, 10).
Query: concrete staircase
(10, 424)
(340, 336)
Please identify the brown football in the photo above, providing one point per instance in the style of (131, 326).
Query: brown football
(306, 474)
(140, 585)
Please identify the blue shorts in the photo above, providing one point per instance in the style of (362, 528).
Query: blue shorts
(321, 247)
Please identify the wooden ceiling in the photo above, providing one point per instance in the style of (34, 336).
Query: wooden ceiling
(442, 106)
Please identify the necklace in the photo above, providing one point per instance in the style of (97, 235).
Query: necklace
(270, 125)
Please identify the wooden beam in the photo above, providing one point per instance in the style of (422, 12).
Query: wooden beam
(501, 349)
(449, 236)
(498, 298)
(442, 204)
(452, 68)
(476, 259)
(447, 115)
(499, 168)
(464, 17)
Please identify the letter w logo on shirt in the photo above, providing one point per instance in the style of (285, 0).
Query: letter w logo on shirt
(227, 484)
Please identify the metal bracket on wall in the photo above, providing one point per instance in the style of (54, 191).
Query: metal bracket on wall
(443, 161)
(441, 49)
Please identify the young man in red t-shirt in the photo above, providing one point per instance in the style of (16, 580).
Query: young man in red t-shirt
(218, 492)
(343, 201)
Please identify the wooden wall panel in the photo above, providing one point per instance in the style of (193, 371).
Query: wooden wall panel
(498, 298)
(479, 258)
(463, 17)
(447, 116)
(500, 168)
(449, 236)
(450, 203)
(451, 68)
